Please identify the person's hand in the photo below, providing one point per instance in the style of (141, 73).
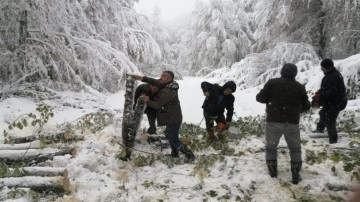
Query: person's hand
(206, 93)
(144, 98)
(137, 77)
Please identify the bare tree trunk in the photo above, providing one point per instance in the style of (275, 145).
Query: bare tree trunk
(58, 137)
(33, 156)
(31, 145)
(58, 185)
(39, 171)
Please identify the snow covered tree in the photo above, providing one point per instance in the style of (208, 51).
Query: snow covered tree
(164, 39)
(220, 35)
(71, 45)
(330, 26)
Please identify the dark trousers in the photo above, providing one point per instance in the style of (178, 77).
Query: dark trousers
(151, 115)
(209, 120)
(328, 120)
(172, 134)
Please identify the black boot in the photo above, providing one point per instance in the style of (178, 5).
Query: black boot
(272, 167)
(174, 152)
(188, 153)
(295, 170)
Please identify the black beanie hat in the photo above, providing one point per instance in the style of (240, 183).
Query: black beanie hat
(327, 63)
(289, 70)
(231, 85)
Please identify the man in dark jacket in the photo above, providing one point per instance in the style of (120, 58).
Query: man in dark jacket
(285, 99)
(332, 98)
(149, 90)
(218, 98)
(168, 111)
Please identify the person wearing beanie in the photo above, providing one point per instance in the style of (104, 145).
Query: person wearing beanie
(285, 99)
(217, 99)
(331, 97)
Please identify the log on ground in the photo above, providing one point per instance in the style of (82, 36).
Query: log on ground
(33, 156)
(38, 171)
(57, 137)
(30, 145)
(58, 184)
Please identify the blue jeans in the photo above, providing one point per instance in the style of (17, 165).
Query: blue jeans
(172, 134)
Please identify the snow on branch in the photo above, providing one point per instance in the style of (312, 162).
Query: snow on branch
(257, 68)
(71, 45)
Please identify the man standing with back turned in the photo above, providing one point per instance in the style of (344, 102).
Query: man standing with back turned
(285, 99)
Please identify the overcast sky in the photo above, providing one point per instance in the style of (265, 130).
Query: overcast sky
(169, 9)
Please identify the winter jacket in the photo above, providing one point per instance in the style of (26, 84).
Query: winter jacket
(143, 89)
(285, 99)
(333, 91)
(167, 103)
(217, 102)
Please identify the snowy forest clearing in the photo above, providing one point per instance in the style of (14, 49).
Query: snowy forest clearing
(63, 66)
(228, 170)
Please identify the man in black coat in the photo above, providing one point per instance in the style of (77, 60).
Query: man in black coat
(151, 91)
(285, 99)
(218, 98)
(332, 98)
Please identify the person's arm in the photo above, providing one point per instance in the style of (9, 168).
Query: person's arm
(150, 81)
(305, 104)
(263, 95)
(146, 79)
(164, 97)
(230, 109)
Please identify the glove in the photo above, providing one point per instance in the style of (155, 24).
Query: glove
(316, 100)
(222, 126)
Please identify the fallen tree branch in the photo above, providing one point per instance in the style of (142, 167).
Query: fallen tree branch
(58, 137)
(33, 156)
(39, 171)
(58, 185)
(31, 145)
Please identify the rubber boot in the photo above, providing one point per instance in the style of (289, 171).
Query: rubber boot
(295, 170)
(272, 167)
(211, 136)
(188, 153)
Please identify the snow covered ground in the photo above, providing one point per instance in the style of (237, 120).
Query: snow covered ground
(97, 175)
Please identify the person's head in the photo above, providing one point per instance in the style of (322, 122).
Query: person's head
(229, 87)
(153, 88)
(289, 70)
(166, 77)
(326, 64)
